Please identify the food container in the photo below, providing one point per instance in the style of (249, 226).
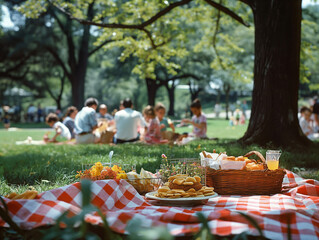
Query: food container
(242, 182)
(212, 160)
(145, 185)
(231, 165)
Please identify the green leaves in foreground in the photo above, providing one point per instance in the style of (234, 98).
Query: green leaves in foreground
(136, 231)
(76, 227)
(204, 233)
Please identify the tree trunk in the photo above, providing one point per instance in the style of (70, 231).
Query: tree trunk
(276, 75)
(152, 87)
(227, 91)
(58, 103)
(171, 96)
(194, 93)
(78, 80)
(78, 86)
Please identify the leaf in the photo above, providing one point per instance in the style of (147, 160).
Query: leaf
(86, 192)
(4, 214)
(204, 232)
(253, 222)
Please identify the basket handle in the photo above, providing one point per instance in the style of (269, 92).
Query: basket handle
(256, 153)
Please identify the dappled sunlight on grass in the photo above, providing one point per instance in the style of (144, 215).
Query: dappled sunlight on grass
(51, 166)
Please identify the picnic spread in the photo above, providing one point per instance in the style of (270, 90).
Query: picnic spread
(294, 209)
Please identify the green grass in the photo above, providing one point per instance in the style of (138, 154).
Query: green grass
(219, 128)
(10, 137)
(51, 166)
(27, 125)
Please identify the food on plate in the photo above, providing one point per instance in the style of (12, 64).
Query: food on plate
(183, 186)
(30, 194)
(183, 181)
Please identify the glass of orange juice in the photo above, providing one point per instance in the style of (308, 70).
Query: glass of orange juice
(272, 159)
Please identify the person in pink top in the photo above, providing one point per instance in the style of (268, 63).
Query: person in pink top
(153, 129)
(198, 121)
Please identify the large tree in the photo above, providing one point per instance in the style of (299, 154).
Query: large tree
(276, 74)
(71, 45)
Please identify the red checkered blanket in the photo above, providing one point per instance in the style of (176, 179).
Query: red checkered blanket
(121, 203)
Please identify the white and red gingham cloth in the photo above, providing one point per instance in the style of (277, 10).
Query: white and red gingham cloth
(120, 202)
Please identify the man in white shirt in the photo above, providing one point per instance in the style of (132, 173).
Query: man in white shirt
(127, 122)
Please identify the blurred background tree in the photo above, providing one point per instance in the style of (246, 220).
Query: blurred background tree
(151, 53)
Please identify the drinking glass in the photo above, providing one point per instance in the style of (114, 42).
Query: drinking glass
(272, 159)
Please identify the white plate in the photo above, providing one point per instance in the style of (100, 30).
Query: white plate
(190, 201)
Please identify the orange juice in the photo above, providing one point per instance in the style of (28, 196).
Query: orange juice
(272, 164)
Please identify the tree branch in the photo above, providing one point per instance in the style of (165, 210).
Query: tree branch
(149, 35)
(100, 46)
(215, 37)
(21, 79)
(59, 22)
(21, 63)
(227, 11)
(48, 88)
(71, 46)
(58, 59)
(13, 77)
(140, 26)
(185, 75)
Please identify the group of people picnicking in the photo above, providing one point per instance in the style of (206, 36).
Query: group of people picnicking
(151, 126)
(126, 125)
(309, 120)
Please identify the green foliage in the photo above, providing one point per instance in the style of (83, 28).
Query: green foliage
(72, 229)
(137, 231)
(205, 232)
(309, 74)
(167, 42)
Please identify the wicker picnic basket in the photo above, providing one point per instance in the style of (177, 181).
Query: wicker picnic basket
(242, 182)
(107, 137)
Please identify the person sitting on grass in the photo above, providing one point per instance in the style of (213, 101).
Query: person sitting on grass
(6, 117)
(60, 129)
(127, 122)
(69, 119)
(153, 130)
(198, 121)
(103, 114)
(160, 111)
(86, 122)
(306, 124)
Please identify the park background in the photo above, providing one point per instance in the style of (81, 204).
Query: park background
(54, 58)
(48, 57)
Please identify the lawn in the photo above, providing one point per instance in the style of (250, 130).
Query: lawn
(50, 166)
